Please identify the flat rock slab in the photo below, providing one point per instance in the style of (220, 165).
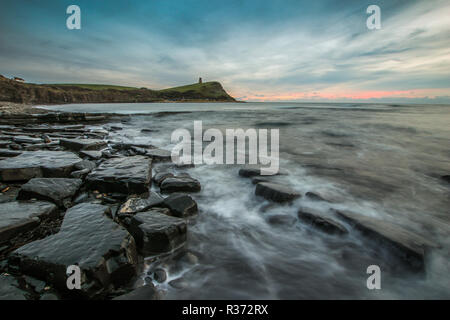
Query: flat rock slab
(135, 205)
(82, 144)
(411, 247)
(254, 171)
(95, 155)
(104, 251)
(321, 222)
(27, 139)
(156, 232)
(10, 290)
(123, 175)
(159, 155)
(28, 165)
(20, 216)
(276, 192)
(180, 184)
(57, 190)
(160, 176)
(181, 205)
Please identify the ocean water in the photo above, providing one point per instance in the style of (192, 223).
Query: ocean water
(383, 161)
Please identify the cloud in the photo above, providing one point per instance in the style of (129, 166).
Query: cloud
(259, 50)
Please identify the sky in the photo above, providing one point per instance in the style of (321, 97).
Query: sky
(260, 50)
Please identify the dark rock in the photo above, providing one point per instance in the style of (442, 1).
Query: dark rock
(4, 144)
(276, 192)
(156, 232)
(104, 251)
(411, 247)
(37, 285)
(9, 153)
(159, 177)
(135, 205)
(446, 178)
(30, 165)
(180, 184)
(26, 139)
(123, 175)
(254, 170)
(147, 292)
(20, 216)
(80, 174)
(281, 219)
(82, 144)
(10, 289)
(57, 190)
(15, 146)
(321, 221)
(159, 155)
(85, 164)
(181, 205)
(81, 198)
(160, 275)
(95, 155)
(314, 196)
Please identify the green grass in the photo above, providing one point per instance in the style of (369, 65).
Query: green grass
(92, 86)
(192, 87)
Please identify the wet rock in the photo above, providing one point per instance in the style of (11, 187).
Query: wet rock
(180, 184)
(85, 165)
(159, 155)
(123, 175)
(80, 174)
(410, 247)
(104, 251)
(28, 165)
(26, 139)
(15, 146)
(254, 170)
(147, 292)
(81, 198)
(160, 275)
(9, 153)
(10, 289)
(95, 155)
(281, 219)
(446, 178)
(321, 221)
(156, 232)
(20, 216)
(181, 205)
(82, 144)
(4, 144)
(57, 190)
(135, 205)
(314, 196)
(159, 177)
(276, 192)
(37, 285)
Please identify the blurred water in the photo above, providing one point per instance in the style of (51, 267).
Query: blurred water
(379, 160)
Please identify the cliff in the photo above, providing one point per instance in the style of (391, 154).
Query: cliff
(19, 92)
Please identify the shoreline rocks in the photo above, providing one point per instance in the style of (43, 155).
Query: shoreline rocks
(35, 164)
(104, 251)
(183, 183)
(126, 175)
(57, 190)
(20, 216)
(410, 247)
(276, 192)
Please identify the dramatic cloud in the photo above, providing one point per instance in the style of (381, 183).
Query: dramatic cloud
(260, 50)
